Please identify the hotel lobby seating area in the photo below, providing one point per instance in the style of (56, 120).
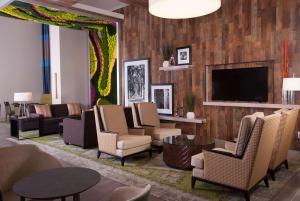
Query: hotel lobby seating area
(149, 100)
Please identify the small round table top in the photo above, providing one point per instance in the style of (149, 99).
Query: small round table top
(56, 183)
(188, 140)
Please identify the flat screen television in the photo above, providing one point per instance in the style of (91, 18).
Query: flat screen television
(240, 84)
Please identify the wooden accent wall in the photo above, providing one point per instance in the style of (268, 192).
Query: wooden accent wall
(242, 30)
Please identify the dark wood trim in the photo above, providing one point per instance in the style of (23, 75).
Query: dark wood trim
(245, 192)
(125, 157)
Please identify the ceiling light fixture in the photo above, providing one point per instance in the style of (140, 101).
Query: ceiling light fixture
(182, 9)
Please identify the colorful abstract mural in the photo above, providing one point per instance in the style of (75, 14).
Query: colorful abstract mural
(102, 44)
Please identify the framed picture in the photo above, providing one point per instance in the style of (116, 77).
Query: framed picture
(136, 78)
(184, 55)
(162, 95)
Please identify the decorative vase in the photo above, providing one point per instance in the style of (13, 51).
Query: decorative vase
(166, 63)
(190, 115)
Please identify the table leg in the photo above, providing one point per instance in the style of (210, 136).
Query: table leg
(22, 198)
(76, 197)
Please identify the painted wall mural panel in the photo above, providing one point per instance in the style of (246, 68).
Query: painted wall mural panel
(102, 44)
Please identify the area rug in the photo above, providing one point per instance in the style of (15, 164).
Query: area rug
(154, 169)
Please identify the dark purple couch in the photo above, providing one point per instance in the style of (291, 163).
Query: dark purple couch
(50, 125)
(81, 132)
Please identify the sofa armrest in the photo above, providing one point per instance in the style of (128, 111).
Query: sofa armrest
(107, 142)
(167, 125)
(136, 131)
(72, 129)
(225, 168)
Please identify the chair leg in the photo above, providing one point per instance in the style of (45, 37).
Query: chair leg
(247, 195)
(272, 174)
(150, 153)
(122, 161)
(286, 164)
(193, 182)
(266, 181)
(98, 154)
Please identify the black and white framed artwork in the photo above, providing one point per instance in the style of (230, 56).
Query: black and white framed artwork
(162, 95)
(136, 77)
(184, 55)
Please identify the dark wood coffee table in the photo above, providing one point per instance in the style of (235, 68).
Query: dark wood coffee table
(57, 183)
(178, 150)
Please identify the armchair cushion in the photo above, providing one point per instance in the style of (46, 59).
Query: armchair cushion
(132, 141)
(161, 133)
(136, 131)
(114, 120)
(148, 114)
(74, 108)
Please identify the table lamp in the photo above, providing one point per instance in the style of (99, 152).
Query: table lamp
(289, 86)
(22, 98)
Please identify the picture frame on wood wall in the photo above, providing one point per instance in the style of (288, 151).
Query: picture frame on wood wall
(136, 80)
(163, 96)
(184, 55)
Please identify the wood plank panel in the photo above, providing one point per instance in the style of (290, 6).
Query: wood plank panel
(242, 30)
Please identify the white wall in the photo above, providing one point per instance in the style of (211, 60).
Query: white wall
(70, 65)
(74, 66)
(21, 57)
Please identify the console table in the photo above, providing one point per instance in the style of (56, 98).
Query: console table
(185, 120)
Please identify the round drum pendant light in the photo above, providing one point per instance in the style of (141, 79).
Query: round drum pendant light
(182, 9)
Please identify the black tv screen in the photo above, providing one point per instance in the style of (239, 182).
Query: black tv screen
(240, 84)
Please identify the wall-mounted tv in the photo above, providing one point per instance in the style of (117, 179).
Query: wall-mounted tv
(240, 84)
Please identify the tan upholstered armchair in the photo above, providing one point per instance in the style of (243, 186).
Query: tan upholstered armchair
(246, 171)
(283, 140)
(18, 162)
(146, 116)
(114, 137)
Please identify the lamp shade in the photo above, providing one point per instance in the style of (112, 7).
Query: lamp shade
(291, 84)
(22, 97)
(182, 9)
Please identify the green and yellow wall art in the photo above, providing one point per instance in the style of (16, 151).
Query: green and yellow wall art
(102, 44)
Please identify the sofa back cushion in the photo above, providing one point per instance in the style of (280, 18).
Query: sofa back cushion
(246, 127)
(148, 114)
(74, 108)
(113, 118)
(59, 110)
(43, 110)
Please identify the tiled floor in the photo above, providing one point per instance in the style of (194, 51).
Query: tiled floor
(102, 191)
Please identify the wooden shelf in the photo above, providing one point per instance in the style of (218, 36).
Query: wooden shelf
(173, 68)
(183, 119)
(249, 105)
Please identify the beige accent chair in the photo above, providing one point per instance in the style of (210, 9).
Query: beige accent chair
(241, 172)
(283, 140)
(20, 161)
(114, 137)
(146, 116)
(130, 193)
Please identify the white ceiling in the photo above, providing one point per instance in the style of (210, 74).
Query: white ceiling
(110, 5)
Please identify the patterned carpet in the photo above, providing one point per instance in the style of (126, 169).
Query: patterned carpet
(176, 184)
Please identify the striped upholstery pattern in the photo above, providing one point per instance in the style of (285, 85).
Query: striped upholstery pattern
(43, 110)
(74, 108)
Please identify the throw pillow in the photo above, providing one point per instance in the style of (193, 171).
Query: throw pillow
(43, 110)
(74, 108)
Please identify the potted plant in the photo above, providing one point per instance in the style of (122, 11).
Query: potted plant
(190, 105)
(166, 51)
